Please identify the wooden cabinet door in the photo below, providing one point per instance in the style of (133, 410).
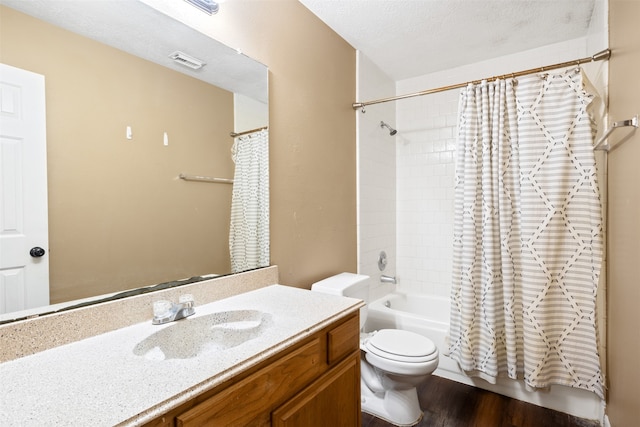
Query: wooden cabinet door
(250, 401)
(331, 400)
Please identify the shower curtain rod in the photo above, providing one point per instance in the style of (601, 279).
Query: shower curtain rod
(246, 132)
(600, 56)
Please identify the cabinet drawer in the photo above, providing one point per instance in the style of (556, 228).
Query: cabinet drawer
(250, 401)
(343, 339)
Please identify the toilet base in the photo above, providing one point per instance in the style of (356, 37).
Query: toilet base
(398, 407)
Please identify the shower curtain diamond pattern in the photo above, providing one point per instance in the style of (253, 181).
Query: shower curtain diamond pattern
(527, 233)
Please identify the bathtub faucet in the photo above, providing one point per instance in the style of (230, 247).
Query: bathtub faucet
(388, 279)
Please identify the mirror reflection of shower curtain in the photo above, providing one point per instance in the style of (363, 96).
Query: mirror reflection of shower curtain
(249, 229)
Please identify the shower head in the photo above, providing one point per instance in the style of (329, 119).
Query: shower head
(392, 131)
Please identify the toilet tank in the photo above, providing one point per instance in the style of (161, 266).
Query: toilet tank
(348, 285)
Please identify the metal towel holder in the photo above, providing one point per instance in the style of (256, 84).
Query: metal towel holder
(205, 178)
(603, 144)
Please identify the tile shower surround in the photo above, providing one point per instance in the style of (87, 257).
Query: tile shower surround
(425, 156)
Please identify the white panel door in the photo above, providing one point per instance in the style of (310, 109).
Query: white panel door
(24, 242)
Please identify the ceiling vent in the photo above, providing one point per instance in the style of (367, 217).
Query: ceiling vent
(209, 6)
(186, 60)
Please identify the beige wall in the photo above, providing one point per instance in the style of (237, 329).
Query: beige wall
(312, 136)
(623, 406)
(118, 217)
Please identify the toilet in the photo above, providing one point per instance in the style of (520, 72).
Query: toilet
(394, 362)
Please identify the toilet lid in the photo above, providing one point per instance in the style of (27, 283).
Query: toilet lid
(400, 344)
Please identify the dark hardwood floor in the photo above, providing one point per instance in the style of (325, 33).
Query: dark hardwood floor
(450, 404)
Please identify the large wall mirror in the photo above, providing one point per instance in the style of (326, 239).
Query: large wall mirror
(123, 122)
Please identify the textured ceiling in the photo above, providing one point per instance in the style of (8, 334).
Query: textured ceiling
(408, 38)
(405, 38)
(140, 30)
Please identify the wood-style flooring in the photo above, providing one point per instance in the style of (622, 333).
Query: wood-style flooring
(450, 404)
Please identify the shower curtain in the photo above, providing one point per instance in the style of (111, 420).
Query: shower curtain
(527, 233)
(249, 230)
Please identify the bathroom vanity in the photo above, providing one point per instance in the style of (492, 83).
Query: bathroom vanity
(313, 383)
(278, 356)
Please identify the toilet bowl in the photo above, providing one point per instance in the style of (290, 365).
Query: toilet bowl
(394, 362)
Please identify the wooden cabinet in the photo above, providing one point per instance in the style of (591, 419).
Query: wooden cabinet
(313, 383)
(328, 401)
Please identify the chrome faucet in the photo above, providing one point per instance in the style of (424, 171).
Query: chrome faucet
(388, 279)
(166, 311)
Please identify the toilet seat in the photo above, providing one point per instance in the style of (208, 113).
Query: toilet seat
(401, 346)
(383, 347)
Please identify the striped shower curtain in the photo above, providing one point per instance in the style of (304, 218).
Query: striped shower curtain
(527, 233)
(249, 230)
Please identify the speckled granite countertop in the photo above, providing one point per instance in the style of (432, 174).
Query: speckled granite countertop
(99, 381)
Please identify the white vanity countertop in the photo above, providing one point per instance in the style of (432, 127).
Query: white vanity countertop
(99, 381)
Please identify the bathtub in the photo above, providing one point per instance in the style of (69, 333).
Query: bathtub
(429, 316)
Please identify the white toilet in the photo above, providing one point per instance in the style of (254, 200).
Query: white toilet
(394, 361)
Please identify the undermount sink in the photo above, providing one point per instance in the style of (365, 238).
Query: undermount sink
(196, 335)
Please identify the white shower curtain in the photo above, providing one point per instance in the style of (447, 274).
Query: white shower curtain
(249, 230)
(527, 233)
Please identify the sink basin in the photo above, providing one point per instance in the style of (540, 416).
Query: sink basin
(196, 335)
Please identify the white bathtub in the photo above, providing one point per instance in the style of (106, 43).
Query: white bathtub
(429, 316)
